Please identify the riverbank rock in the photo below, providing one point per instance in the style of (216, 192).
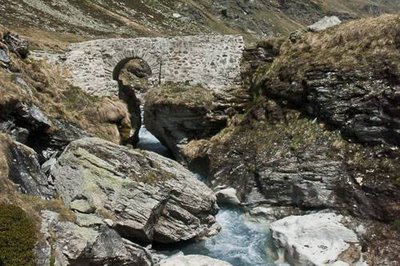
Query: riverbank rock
(144, 196)
(193, 260)
(21, 166)
(316, 239)
(292, 168)
(65, 243)
(227, 196)
(178, 113)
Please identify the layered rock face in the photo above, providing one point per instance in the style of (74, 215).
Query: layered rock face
(358, 96)
(28, 124)
(295, 167)
(23, 168)
(300, 161)
(145, 196)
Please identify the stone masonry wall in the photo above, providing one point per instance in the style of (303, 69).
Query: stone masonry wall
(212, 61)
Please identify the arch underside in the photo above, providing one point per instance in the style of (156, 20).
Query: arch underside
(114, 65)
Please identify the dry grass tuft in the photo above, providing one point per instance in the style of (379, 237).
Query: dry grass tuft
(48, 89)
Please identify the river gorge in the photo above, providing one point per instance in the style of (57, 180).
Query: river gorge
(223, 148)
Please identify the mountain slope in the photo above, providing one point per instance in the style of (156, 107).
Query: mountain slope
(106, 18)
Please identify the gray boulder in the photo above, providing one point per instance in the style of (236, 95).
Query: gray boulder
(193, 260)
(66, 243)
(144, 196)
(325, 23)
(316, 239)
(16, 44)
(228, 196)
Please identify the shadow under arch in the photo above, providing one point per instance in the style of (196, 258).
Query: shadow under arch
(121, 64)
(115, 63)
(137, 71)
(132, 92)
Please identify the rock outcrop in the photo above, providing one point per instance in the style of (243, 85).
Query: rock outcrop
(293, 168)
(27, 124)
(16, 44)
(192, 260)
(316, 239)
(4, 57)
(22, 168)
(144, 196)
(323, 130)
(355, 91)
(178, 113)
(65, 243)
(227, 196)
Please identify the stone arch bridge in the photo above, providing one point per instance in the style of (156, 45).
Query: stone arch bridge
(212, 61)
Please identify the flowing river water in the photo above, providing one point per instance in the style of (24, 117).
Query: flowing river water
(241, 242)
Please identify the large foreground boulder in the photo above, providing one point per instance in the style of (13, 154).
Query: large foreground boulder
(65, 243)
(142, 195)
(316, 239)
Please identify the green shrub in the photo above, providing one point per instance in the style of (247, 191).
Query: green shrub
(396, 225)
(17, 237)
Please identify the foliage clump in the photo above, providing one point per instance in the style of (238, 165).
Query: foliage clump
(17, 236)
(396, 225)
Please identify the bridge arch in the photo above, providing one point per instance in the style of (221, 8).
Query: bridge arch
(116, 63)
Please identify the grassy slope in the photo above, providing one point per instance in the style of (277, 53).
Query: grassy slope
(369, 45)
